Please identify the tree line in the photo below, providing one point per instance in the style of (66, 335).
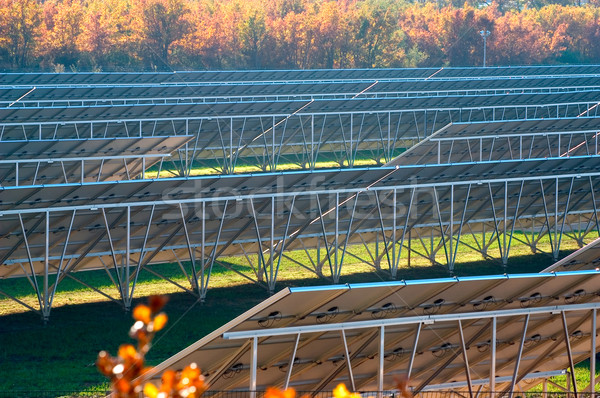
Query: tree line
(120, 35)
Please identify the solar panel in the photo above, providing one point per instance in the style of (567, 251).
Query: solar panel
(489, 141)
(40, 79)
(435, 330)
(156, 94)
(265, 134)
(84, 160)
(35, 116)
(588, 257)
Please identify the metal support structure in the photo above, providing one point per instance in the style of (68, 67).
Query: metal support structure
(381, 369)
(465, 358)
(288, 142)
(191, 236)
(253, 367)
(288, 374)
(493, 343)
(514, 381)
(569, 353)
(414, 351)
(348, 361)
(593, 352)
(374, 328)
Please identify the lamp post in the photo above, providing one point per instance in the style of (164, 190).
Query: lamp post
(484, 34)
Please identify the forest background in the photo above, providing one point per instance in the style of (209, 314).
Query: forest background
(133, 35)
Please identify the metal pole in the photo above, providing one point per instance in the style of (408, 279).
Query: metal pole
(569, 353)
(484, 49)
(414, 351)
(46, 266)
(348, 362)
(484, 34)
(493, 360)
(127, 256)
(593, 356)
(381, 355)
(518, 359)
(466, 359)
(271, 283)
(291, 364)
(253, 367)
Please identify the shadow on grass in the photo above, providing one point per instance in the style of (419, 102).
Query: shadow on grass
(20, 287)
(99, 279)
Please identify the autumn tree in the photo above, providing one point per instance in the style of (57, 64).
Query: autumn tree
(240, 34)
(292, 39)
(573, 32)
(518, 39)
(106, 34)
(18, 29)
(253, 37)
(60, 28)
(417, 23)
(459, 35)
(159, 23)
(379, 41)
(331, 35)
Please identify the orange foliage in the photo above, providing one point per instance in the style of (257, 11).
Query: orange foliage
(239, 34)
(127, 370)
(514, 34)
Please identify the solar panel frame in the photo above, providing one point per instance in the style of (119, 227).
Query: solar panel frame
(51, 162)
(295, 137)
(36, 116)
(39, 79)
(501, 140)
(586, 257)
(96, 95)
(224, 355)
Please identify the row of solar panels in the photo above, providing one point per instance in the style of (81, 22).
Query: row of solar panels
(43, 162)
(30, 116)
(92, 160)
(490, 141)
(97, 95)
(266, 134)
(438, 331)
(230, 213)
(39, 79)
(71, 160)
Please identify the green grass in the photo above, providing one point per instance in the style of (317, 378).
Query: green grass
(61, 354)
(246, 169)
(363, 158)
(469, 262)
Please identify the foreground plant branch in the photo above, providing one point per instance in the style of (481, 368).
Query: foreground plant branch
(127, 370)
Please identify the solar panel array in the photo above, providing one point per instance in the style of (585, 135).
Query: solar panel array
(52, 224)
(435, 331)
(45, 162)
(512, 140)
(273, 133)
(41, 79)
(130, 225)
(201, 93)
(497, 149)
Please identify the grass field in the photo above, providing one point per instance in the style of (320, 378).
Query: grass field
(245, 168)
(61, 354)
